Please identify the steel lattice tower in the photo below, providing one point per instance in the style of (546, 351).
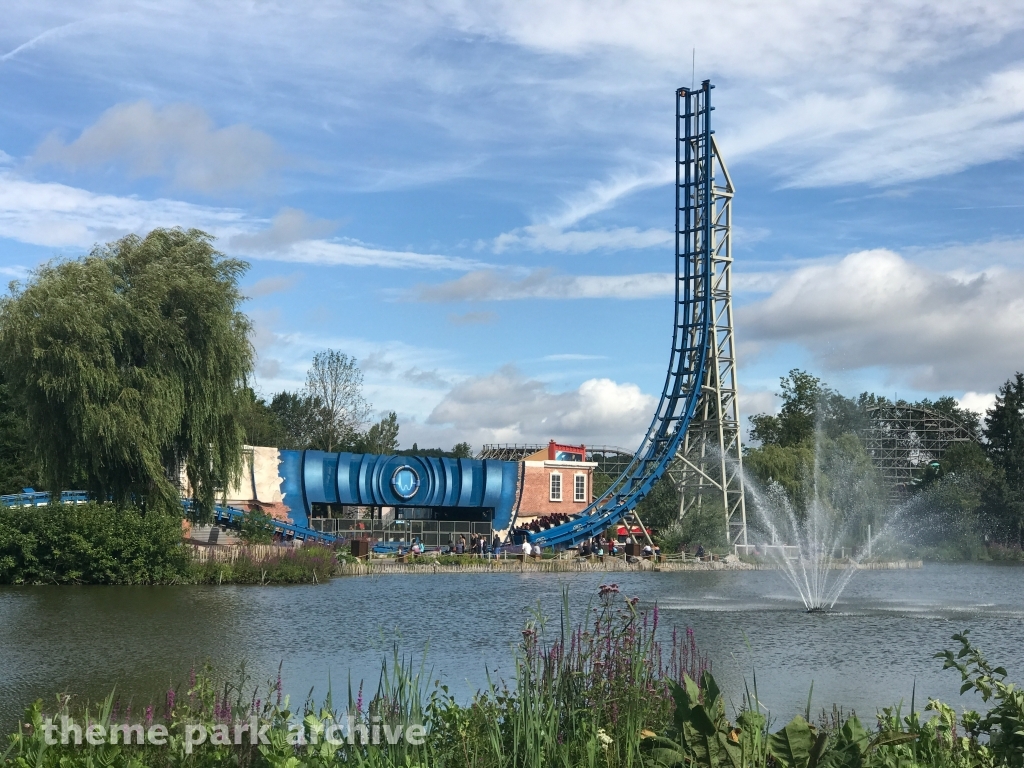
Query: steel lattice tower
(709, 463)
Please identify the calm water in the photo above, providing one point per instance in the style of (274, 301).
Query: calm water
(867, 654)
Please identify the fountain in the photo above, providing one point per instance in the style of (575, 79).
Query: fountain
(806, 549)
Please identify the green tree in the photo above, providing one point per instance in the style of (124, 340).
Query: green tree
(17, 465)
(792, 467)
(1004, 433)
(130, 363)
(462, 451)
(334, 388)
(949, 509)
(261, 423)
(801, 397)
(382, 437)
(294, 412)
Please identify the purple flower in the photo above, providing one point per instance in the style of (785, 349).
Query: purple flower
(149, 716)
(170, 701)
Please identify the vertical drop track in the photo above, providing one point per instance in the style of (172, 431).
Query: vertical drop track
(690, 331)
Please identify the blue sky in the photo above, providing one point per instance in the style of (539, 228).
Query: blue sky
(474, 198)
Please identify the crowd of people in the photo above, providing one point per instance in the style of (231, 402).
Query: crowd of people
(480, 546)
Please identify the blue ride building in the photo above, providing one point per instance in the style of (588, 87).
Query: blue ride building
(387, 498)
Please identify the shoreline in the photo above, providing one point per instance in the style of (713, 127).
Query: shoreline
(616, 565)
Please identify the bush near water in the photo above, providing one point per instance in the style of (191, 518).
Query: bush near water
(103, 544)
(607, 691)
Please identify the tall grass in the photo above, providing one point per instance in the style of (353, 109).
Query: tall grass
(266, 565)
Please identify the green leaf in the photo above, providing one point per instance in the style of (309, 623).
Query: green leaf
(854, 733)
(791, 746)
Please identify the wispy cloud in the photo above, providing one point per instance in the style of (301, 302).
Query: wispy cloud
(271, 285)
(58, 215)
(48, 34)
(573, 357)
(490, 285)
(601, 195)
(288, 227)
(473, 318)
(554, 232)
(544, 237)
(15, 271)
(352, 253)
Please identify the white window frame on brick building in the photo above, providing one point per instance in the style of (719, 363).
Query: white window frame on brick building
(579, 489)
(555, 486)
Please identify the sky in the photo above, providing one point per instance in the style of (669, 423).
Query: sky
(475, 199)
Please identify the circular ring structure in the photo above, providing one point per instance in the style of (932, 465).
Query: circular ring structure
(405, 481)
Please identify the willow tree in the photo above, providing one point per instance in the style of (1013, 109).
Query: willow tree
(130, 364)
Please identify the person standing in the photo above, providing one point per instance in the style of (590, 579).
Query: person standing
(527, 548)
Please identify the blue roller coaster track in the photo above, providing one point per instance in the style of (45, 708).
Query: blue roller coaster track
(695, 158)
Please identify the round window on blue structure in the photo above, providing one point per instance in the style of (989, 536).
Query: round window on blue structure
(405, 481)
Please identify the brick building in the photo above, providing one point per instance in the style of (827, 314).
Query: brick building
(556, 479)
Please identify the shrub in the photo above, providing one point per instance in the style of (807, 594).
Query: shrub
(90, 544)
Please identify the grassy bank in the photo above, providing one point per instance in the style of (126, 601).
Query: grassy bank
(612, 690)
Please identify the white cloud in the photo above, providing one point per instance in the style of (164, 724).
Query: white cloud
(489, 285)
(506, 406)
(938, 331)
(979, 402)
(178, 142)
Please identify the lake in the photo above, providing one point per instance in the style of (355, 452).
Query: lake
(867, 653)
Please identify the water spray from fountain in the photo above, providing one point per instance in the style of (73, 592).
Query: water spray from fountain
(809, 548)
